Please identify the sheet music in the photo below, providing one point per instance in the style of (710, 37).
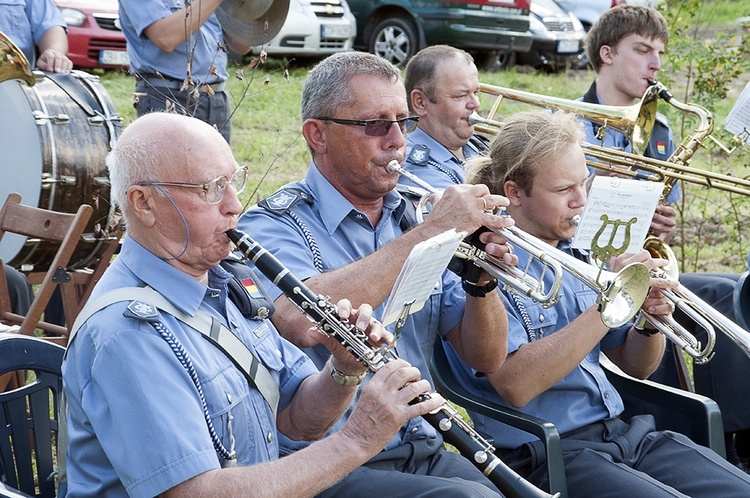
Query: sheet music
(619, 199)
(421, 271)
(738, 119)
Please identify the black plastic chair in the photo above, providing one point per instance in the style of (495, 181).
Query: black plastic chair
(742, 301)
(29, 416)
(702, 413)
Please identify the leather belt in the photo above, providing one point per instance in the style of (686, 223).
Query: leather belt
(151, 80)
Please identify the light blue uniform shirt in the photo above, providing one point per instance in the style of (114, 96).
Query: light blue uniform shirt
(432, 162)
(135, 421)
(343, 235)
(584, 396)
(146, 58)
(26, 21)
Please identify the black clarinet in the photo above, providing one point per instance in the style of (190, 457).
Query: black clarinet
(445, 419)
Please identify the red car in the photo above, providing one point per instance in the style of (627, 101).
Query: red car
(94, 33)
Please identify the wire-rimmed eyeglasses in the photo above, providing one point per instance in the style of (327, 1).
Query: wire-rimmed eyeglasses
(213, 189)
(378, 127)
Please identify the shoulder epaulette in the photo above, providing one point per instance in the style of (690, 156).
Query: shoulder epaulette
(283, 199)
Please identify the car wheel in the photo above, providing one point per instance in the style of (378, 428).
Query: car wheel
(395, 40)
(497, 60)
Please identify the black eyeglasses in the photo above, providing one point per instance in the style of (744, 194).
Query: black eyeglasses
(213, 189)
(378, 127)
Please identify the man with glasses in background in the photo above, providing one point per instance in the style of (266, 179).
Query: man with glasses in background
(347, 232)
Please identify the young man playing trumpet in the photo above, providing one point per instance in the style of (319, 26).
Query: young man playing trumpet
(552, 370)
(625, 46)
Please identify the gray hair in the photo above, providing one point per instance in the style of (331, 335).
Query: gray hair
(327, 88)
(522, 144)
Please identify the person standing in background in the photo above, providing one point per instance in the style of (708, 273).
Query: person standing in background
(178, 53)
(39, 30)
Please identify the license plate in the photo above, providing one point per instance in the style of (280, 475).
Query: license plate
(114, 57)
(567, 46)
(335, 31)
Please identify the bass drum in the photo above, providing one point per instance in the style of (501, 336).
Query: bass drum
(55, 136)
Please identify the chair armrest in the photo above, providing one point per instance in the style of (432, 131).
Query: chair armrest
(448, 385)
(702, 412)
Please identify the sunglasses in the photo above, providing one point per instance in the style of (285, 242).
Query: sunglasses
(378, 127)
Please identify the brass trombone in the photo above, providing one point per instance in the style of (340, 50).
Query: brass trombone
(13, 64)
(620, 294)
(636, 121)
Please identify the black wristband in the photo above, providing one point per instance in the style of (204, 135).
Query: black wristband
(477, 291)
(645, 331)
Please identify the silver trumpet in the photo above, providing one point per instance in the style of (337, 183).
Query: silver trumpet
(620, 294)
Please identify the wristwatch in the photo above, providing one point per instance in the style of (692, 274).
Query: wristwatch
(346, 380)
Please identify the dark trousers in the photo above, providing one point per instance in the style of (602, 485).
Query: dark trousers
(21, 293)
(153, 94)
(722, 379)
(418, 469)
(613, 458)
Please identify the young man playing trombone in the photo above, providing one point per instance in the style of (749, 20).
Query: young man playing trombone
(552, 370)
(625, 46)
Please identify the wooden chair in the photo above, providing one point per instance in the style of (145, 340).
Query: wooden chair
(65, 228)
(30, 417)
(702, 413)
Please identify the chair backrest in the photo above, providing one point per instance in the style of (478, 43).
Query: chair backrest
(447, 384)
(742, 301)
(702, 413)
(29, 414)
(64, 228)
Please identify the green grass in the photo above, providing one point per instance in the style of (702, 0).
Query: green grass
(713, 225)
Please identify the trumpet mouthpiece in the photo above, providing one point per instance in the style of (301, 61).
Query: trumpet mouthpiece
(393, 167)
(575, 220)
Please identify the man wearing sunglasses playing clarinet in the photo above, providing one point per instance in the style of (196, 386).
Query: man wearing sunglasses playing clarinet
(347, 232)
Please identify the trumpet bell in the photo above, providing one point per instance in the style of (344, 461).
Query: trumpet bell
(13, 64)
(625, 293)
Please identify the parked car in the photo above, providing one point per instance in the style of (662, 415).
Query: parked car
(314, 28)
(94, 35)
(397, 29)
(588, 11)
(558, 37)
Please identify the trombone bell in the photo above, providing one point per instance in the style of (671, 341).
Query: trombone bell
(13, 64)
(636, 121)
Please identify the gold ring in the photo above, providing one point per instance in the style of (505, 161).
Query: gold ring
(484, 202)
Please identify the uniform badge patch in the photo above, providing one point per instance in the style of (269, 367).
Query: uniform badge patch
(251, 288)
(281, 200)
(661, 148)
(419, 154)
(141, 311)
(261, 329)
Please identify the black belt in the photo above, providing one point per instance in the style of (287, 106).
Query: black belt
(174, 84)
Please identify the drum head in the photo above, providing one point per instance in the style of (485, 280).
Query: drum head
(21, 160)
